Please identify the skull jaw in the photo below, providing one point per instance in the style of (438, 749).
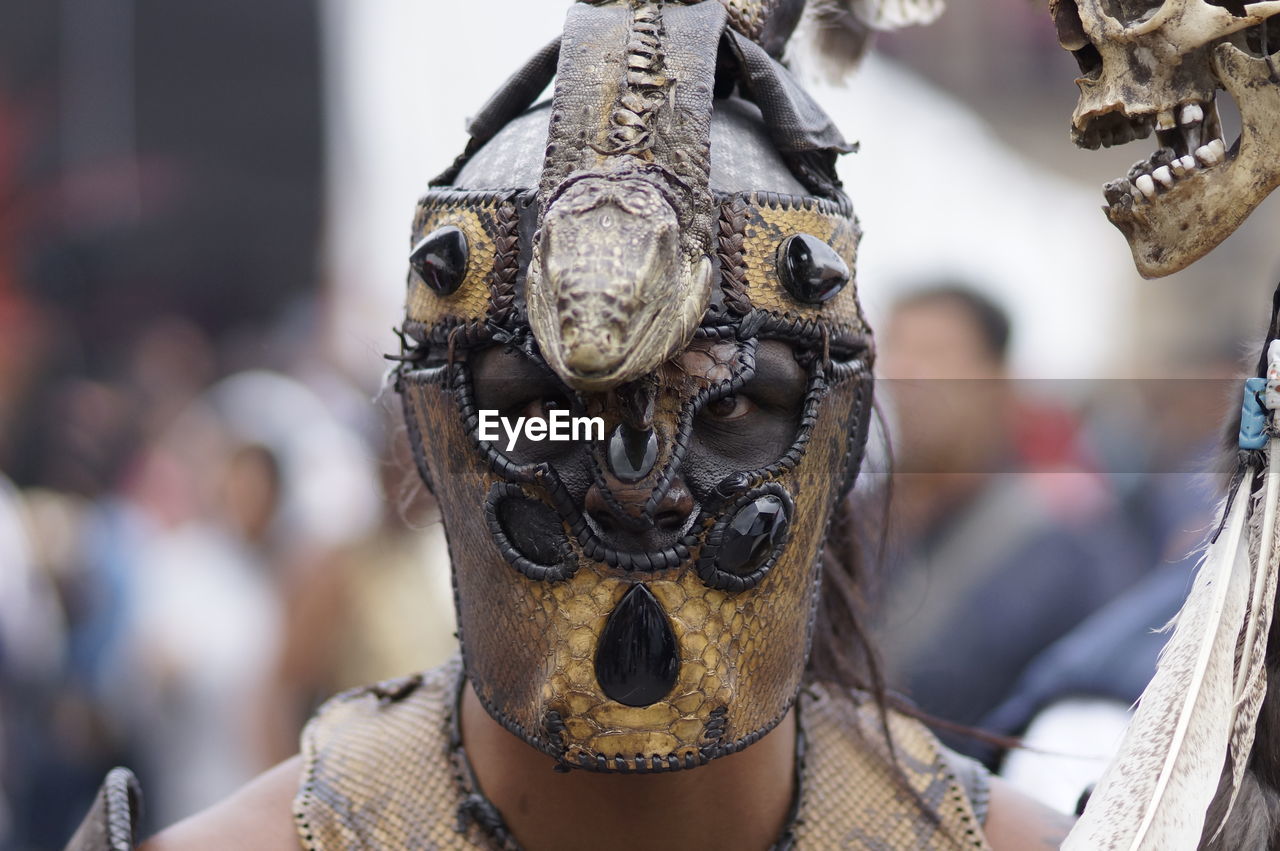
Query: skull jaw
(1192, 220)
(1188, 221)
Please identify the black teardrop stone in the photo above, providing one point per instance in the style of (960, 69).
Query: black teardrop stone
(810, 269)
(632, 452)
(636, 661)
(440, 259)
(751, 535)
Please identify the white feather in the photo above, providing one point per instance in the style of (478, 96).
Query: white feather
(842, 30)
(1251, 669)
(1155, 793)
(1265, 553)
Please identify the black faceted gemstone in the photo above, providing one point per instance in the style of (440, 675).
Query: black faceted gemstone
(632, 452)
(440, 259)
(810, 269)
(636, 661)
(752, 535)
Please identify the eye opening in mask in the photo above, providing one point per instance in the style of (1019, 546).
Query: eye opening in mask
(754, 423)
(733, 406)
(509, 382)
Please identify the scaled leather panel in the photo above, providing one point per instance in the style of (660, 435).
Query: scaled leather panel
(477, 215)
(381, 772)
(377, 774)
(854, 793)
(769, 221)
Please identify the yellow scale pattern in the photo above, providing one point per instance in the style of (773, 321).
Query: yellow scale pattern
(766, 228)
(471, 301)
(525, 625)
(378, 775)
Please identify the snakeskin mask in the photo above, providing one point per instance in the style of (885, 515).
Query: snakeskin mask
(642, 597)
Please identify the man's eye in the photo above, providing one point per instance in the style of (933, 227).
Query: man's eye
(541, 407)
(729, 407)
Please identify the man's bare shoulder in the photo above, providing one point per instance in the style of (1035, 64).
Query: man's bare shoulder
(1015, 821)
(259, 816)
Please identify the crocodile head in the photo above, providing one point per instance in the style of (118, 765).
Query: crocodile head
(611, 293)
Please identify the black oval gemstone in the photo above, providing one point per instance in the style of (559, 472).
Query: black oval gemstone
(636, 661)
(529, 534)
(534, 530)
(752, 535)
(440, 259)
(632, 452)
(810, 269)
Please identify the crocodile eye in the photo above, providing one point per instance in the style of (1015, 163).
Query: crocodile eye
(440, 259)
(810, 269)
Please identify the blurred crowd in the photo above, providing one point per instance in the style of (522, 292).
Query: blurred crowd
(185, 615)
(204, 528)
(209, 521)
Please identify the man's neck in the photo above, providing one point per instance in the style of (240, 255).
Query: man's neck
(738, 801)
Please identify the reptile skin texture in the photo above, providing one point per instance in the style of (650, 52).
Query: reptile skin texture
(738, 647)
(621, 273)
(382, 770)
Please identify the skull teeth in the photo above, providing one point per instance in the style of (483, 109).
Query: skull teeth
(1180, 127)
(1149, 179)
(1183, 166)
(1212, 153)
(1183, 153)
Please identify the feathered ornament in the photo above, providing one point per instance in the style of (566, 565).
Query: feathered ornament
(1195, 721)
(843, 29)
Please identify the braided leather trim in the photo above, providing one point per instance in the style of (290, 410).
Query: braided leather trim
(112, 822)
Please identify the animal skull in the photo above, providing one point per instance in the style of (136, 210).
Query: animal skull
(1151, 65)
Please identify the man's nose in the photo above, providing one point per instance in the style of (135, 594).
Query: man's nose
(618, 513)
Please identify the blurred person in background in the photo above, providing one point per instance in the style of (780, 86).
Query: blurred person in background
(201, 634)
(1162, 437)
(32, 648)
(264, 485)
(1002, 538)
(81, 542)
(383, 605)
